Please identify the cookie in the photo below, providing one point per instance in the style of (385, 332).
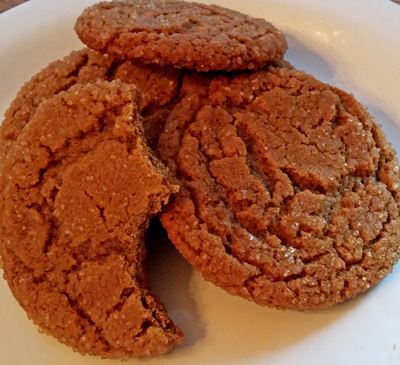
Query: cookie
(289, 190)
(183, 34)
(85, 66)
(78, 188)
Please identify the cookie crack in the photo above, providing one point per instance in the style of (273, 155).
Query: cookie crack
(85, 316)
(228, 236)
(78, 67)
(112, 70)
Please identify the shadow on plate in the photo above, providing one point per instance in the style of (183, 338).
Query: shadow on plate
(169, 278)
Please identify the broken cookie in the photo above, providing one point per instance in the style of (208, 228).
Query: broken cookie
(79, 186)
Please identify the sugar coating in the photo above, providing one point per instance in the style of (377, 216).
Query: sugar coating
(183, 34)
(78, 187)
(289, 191)
(159, 86)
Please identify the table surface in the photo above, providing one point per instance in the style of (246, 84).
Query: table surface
(8, 4)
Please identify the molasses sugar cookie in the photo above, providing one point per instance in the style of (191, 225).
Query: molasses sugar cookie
(182, 34)
(77, 190)
(289, 189)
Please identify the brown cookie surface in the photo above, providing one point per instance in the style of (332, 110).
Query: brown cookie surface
(183, 34)
(85, 66)
(78, 188)
(289, 190)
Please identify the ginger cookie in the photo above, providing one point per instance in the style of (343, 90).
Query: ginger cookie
(183, 34)
(289, 190)
(159, 86)
(78, 188)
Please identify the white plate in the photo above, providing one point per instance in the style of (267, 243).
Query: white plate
(354, 44)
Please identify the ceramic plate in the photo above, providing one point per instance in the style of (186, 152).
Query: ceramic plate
(354, 44)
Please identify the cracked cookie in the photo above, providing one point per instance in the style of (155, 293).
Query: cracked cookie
(183, 34)
(289, 190)
(77, 190)
(159, 86)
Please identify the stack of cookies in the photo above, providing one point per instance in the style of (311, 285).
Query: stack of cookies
(275, 186)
